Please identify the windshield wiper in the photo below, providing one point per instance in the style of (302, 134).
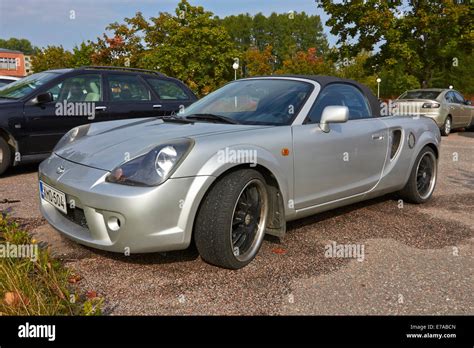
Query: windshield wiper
(174, 118)
(212, 117)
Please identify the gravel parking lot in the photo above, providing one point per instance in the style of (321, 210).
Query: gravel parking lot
(418, 259)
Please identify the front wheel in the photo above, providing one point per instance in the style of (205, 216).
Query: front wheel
(231, 221)
(422, 181)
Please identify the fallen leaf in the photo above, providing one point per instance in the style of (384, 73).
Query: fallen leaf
(15, 299)
(91, 294)
(279, 251)
(74, 279)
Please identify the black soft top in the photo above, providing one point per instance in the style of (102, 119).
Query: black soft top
(327, 80)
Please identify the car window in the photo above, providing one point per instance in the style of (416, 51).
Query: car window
(449, 97)
(344, 95)
(26, 85)
(81, 88)
(167, 90)
(458, 98)
(127, 88)
(256, 101)
(420, 94)
(4, 82)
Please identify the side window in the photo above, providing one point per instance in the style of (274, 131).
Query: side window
(449, 97)
(127, 88)
(167, 90)
(81, 88)
(340, 94)
(458, 98)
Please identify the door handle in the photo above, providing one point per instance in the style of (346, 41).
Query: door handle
(157, 106)
(377, 136)
(101, 108)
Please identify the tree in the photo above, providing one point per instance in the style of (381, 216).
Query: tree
(52, 57)
(258, 62)
(22, 45)
(190, 45)
(417, 38)
(306, 63)
(286, 33)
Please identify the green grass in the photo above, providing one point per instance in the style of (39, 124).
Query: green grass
(39, 285)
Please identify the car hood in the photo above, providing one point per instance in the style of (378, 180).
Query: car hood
(109, 144)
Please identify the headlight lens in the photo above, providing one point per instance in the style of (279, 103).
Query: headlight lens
(153, 168)
(71, 136)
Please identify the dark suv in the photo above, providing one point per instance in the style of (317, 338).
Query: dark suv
(35, 112)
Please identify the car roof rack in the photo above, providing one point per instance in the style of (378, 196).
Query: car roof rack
(121, 68)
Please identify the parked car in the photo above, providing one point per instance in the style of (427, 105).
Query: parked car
(36, 111)
(5, 80)
(235, 165)
(447, 107)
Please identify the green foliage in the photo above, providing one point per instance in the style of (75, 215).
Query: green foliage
(22, 45)
(418, 43)
(286, 33)
(37, 285)
(52, 57)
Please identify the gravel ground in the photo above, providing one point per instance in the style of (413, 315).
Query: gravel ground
(417, 259)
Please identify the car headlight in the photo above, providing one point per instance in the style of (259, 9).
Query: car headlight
(71, 136)
(153, 168)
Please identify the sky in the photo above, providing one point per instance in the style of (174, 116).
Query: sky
(49, 22)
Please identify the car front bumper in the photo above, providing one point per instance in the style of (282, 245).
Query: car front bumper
(120, 218)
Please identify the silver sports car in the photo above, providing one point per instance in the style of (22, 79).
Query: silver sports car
(234, 166)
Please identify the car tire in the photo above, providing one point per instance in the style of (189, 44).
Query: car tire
(5, 156)
(447, 126)
(423, 176)
(230, 225)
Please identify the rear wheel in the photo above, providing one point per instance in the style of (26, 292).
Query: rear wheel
(422, 181)
(447, 126)
(5, 156)
(231, 221)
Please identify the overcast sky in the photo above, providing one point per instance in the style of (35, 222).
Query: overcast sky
(47, 22)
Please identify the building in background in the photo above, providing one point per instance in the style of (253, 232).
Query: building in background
(28, 65)
(12, 63)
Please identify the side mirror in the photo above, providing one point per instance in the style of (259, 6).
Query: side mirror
(333, 114)
(468, 102)
(43, 98)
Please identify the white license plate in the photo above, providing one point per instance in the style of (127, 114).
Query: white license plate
(53, 196)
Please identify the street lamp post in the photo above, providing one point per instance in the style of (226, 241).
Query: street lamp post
(378, 87)
(235, 66)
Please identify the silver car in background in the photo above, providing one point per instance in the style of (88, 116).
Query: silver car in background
(236, 165)
(447, 107)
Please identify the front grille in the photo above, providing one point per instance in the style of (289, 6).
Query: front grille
(77, 216)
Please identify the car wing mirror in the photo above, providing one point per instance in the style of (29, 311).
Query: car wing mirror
(43, 98)
(333, 114)
(468, 102)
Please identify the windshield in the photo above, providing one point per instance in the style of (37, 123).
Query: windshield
(254, 102)
(25, 86)
(420, 95)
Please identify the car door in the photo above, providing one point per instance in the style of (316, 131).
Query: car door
(346, 161)
(130, 97)
(77, 100)
(173, 96)
(464, 111)
(454, 109)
